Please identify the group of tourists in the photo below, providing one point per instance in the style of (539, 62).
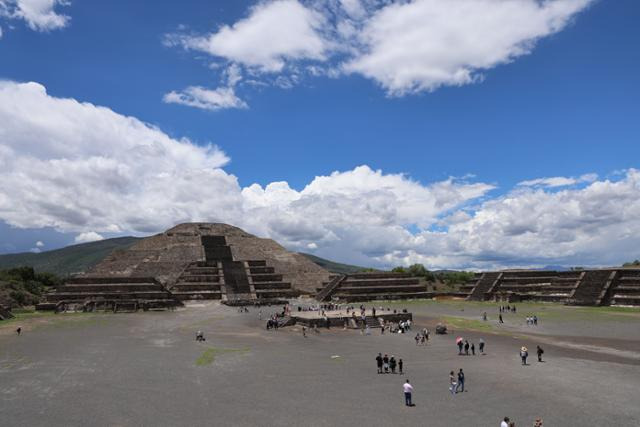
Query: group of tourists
(388, 365)
(532, 320)
(524, 354)
(456, 382)
(464, 346)
(507, 309)
(422, 337)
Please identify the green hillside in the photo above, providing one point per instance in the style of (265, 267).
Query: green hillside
(71, 259)
(335, 267)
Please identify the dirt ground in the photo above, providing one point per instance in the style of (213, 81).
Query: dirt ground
(144, 369)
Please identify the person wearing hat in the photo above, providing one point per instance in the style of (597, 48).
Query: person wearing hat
(523, 355)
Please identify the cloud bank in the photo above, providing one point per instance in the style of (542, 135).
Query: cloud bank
(405, 46)
(86, 169)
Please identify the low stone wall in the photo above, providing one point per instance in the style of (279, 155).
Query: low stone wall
(339, 321)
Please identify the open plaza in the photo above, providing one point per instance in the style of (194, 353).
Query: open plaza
(147, 369)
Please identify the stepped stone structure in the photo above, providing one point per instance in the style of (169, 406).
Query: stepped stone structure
(195, 261)
(616, 286)
(372, 286)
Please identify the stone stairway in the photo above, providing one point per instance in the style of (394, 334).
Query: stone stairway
(590, 288)
(484, 286)
(325, 293)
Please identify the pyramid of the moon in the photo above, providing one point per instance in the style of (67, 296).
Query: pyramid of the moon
(187, 256)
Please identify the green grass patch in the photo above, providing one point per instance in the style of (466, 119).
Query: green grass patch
(466, 324)
(209, 355)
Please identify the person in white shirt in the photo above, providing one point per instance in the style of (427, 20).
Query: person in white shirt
(408, 389)
(505, 422)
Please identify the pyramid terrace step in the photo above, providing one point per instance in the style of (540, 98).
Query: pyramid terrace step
(272, 293)
(189, 287)
(197, 271)
(629, 280)
(376, 282)
(114, 287)
(625, 300)
(108, 280)
(266, 277)
(201, 295)
(272, 285)
(377, 276)
(257, 263)
(381, 289)
(627, 289)
(199, 278)
(383, 296)
(261, 270)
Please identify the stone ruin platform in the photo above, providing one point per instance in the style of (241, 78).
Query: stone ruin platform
(598, 287)
(337, 318)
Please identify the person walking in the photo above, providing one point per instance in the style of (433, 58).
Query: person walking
(473, 349)
(400, 364)
(500, 318)
(417, 338)
(523, 355)
(460, 386)
(460, 345)
(452, 383)
(385, 362)
(408, 390)
(540, 352)
(484, 316)
(481, 346)
(466, 347)
(392, 364)
(379, 362)
(304, 331)
(19, 330)
(535, 320)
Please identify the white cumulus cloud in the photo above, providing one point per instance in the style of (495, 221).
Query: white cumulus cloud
(405, 46)
(558, 181)
(39, 15)
(206, 99)
(88, 236)
(273, 32)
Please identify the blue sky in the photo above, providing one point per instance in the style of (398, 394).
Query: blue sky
(567, 107)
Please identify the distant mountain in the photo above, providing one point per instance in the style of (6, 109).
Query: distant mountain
(68, 260)
(79, 258)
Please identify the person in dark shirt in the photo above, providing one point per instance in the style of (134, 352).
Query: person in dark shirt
(460, 386)
(385, 362)
(466, 347)
(392, 364)
(379, 362)
(400, 363)
(540, 352)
